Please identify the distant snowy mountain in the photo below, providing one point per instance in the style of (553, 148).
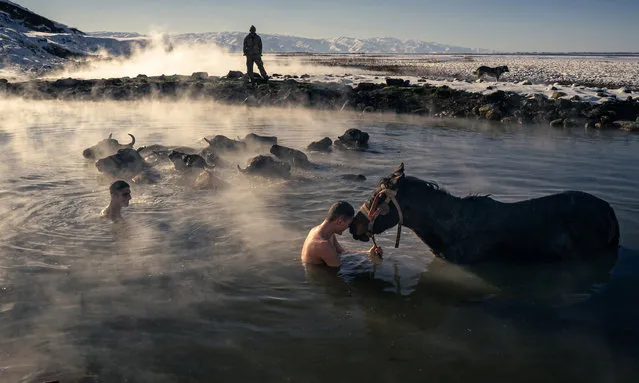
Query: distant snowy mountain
(32, 43)
(282, 43)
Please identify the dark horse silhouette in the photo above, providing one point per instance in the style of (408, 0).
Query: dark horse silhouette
(567, 226)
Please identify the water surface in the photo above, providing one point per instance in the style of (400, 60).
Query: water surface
(207, 286)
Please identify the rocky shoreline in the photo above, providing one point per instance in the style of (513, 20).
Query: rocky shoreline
(395, 96)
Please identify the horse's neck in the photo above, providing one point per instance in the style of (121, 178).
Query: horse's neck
(432, 215)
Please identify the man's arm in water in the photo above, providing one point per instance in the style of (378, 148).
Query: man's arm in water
(327, 253)
(338, 247)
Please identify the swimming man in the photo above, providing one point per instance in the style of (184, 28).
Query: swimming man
(120, 197)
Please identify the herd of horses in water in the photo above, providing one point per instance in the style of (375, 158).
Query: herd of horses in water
(563, 227)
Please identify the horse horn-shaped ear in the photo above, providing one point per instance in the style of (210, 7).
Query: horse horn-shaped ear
(110, 134)
(399, 171)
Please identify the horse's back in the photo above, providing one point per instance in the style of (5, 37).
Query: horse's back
(590, 221)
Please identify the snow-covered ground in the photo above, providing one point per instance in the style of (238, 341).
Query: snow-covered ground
(586, 94)
(594, 70)
(592, 78)
(31, 45)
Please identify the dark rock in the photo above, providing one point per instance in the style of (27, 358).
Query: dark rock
(323, 145)
(490, 112)
(305, 76)
(496, 97)
(557, 123)
(629, 126)
(367, 86)
(200, 75)
(571, 122)
(397, 82)
(67, 82)
(235, 74)
(557, 95)
(575, 98)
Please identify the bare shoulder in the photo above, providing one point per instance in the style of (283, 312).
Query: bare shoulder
(321, 252)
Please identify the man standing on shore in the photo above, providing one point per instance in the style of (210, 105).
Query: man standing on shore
(253, 53)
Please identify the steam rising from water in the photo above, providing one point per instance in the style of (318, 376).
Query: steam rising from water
(164, 56)
(178, 246)
(198, 276)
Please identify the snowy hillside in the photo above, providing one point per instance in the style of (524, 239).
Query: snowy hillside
(32, 43)
(232, 41)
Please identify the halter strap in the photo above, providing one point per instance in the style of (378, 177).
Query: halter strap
(374, 212)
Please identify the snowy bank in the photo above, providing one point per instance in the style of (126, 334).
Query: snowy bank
(395, 96)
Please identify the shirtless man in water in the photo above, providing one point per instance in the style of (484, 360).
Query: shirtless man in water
(120, 197)
(321, 246)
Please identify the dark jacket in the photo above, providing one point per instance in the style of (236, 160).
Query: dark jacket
(252, 45)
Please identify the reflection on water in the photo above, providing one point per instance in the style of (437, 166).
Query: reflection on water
(207, 286)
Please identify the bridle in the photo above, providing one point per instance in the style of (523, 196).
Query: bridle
(376, 210)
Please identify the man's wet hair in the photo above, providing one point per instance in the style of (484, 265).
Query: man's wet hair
(252, 28)
(117, 186)
(340, 209)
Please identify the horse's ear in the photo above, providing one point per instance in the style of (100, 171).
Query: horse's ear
(399, 172)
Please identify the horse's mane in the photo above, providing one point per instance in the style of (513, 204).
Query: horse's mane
(434, 186)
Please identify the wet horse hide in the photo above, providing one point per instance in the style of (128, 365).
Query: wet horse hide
(566, 226)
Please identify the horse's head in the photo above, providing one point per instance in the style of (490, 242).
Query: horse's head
(381, 211)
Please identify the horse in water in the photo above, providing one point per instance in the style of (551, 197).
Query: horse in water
(567, 226)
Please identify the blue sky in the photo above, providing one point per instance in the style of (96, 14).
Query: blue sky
(533, 25)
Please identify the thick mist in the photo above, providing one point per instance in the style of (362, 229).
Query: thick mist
(163, 56)
(195, 281)
(178, 246)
